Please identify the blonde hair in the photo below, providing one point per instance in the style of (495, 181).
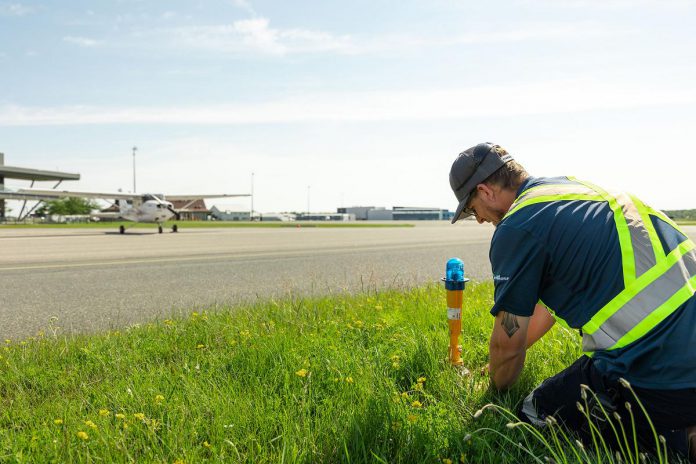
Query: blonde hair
(510, 176)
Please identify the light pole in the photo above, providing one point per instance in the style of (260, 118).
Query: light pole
(134, 150)
(251, 216)
(308, 187)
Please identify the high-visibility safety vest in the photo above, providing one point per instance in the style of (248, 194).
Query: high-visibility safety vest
(655, 283)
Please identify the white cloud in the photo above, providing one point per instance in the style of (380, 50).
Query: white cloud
(251, 35)
(611, 4)
(244, 5)
(82, 41)
(15, 9)
(256, 35)
(552, 97)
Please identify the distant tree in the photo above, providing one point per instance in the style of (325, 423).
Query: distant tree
(682, 214)
(67, 206)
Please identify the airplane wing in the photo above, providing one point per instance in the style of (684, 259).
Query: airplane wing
(7, 194)
(202, 197)
(38, 194)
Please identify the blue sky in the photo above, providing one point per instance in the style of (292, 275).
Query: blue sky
(366, 102)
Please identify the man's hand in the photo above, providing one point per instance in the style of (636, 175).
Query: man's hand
(508, 348)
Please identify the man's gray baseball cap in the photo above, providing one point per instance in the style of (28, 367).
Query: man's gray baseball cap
(472, 167)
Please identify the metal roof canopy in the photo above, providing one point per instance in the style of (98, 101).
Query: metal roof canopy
(14, 172)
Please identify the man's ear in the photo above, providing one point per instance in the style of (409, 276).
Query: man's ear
(485, 191)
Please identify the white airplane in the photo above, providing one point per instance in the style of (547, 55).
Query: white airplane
(135, 207)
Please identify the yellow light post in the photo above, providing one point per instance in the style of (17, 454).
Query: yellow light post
(454, 284)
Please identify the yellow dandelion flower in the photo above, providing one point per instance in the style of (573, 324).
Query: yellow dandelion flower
(8, 341)
(91, 424)
(120, 416)
(421, 379)
(159, 399)
(104, 412)
(194, 314)
(349, 379)
(82, 435)
(139, 416)
(302, 373)
(446, 461)
(404, 395)
(58, 421)
(206, 444)
(417, 404)
(412, 418)
(200, 346)
(125, 425)
(395, 365)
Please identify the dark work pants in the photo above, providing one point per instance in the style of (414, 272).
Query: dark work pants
(671, 411)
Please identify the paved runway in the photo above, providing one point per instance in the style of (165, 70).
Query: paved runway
(90, 279)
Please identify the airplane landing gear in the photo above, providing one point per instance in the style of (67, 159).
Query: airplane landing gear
(121, 229)
(175, 228)
(159, 228)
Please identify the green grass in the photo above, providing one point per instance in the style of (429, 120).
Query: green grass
(202, 224)
(360, 378)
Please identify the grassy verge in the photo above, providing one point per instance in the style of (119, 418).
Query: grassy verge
(203, 224)
(337, 379)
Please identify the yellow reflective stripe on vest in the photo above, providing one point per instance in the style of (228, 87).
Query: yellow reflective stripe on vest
(664, 217)
(627, 257)
(552, 192)
(644, 211)
(556, 189)
(655, 284)
(550, 198)
(644, 304)
(659, 314)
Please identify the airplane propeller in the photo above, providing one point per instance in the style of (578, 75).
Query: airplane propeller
(176, 213)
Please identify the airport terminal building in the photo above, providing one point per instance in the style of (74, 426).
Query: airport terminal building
(397, 213)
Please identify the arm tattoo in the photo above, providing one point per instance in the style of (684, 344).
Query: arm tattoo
(510, 324)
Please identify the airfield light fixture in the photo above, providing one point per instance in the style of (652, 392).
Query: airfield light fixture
(454, 284)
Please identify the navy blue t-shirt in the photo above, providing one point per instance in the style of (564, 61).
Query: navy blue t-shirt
(567, 254)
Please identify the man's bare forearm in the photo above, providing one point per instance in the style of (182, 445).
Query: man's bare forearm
(505, 368)
(507, 349)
